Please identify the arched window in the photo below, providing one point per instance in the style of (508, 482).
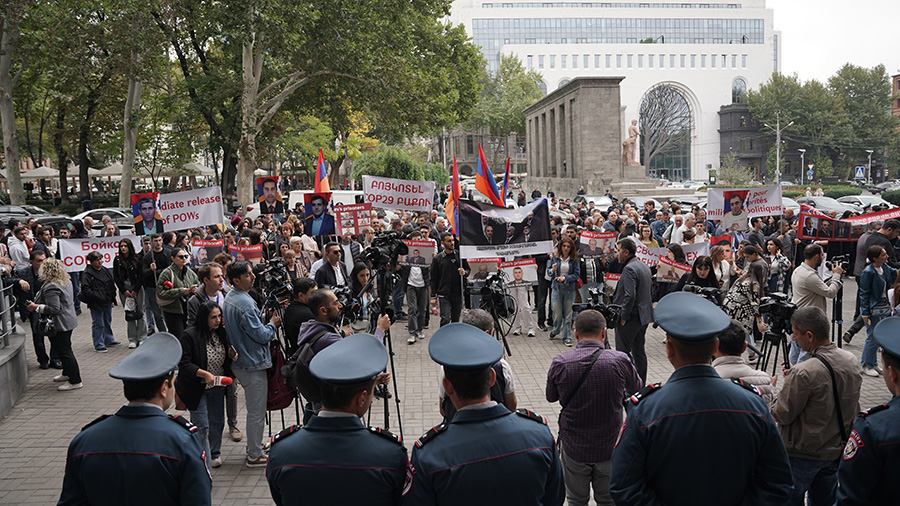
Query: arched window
(739, 91)
(563, 83)
(543, 87)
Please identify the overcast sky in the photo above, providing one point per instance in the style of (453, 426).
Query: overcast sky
(820, 37)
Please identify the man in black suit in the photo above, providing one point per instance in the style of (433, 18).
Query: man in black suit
(415, 258)
(269, 201)
(319, 222)
(809, 227)
(298, 311)
(332, 273)
(633, 296)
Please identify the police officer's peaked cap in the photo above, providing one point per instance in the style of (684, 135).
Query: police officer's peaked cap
(156, 357)
(350, 361)
(887, 335)
(689, 317)
(461, 346)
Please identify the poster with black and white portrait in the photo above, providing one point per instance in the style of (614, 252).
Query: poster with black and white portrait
(486, 230)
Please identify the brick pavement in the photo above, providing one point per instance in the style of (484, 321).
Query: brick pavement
(35, 434)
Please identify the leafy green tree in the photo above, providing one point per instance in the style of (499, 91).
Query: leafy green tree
(732, 172)
(866, 96)
(504, 97)
(389, 161)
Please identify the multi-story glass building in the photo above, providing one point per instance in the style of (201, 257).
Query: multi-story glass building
(710, 52)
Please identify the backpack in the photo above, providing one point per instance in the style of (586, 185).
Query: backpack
(278, 395)
(296, 370)
(498, 394)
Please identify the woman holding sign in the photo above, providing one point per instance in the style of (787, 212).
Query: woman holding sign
(563, 270)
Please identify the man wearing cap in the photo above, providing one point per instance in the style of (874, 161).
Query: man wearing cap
(872, 454)
(677, 437)
(486, 454)
(107, 463)
(334, 458)
(813, 425)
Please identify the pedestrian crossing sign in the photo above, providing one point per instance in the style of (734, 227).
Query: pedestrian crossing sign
(860, 173)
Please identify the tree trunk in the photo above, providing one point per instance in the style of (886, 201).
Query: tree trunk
(61, 154)
(83, 163)
(229, 171)
(132, 106)
(8, 41)
(251, 62)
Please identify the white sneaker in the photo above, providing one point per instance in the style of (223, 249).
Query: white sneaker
(69, 386)
(132, 345)
(60, 378)
(879, 370)
(411, 340)
(531, 333)
(421, 334)
(870, 372)
(216, 462)
(517, 332)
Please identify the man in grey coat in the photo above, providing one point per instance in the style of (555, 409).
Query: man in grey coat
(633, 296)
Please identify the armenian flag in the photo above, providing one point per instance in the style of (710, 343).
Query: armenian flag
(505, 186)
(484, 180)
(321, 181)
(451, 209)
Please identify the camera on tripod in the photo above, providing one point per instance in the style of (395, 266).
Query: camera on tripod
(494, 297)
(351, 309)
(384, 250)
(275, 282)
(595, 302)
(842, 260)
(778, 308)
(714, 295)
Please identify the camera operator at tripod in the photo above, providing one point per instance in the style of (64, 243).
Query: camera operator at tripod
(322, 332)
(810, 290)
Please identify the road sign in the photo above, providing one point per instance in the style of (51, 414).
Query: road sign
(809, 172)
(860, 172)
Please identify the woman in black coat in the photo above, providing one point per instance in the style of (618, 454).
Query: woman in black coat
(205, 359)
(127, 276)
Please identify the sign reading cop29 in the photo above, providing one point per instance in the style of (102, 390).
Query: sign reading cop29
(400, 194)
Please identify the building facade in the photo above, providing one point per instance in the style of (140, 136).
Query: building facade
(705, 50)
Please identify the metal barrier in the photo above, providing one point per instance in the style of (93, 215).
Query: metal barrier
(7, 305)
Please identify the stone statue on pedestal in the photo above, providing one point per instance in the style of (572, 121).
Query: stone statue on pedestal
(629, 146)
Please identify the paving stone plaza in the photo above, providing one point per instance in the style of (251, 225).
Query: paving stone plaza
(35, 434)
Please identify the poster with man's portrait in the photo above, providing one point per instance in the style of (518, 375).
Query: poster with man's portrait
(251, 253)
(420, 253)
(269, 196)
(520, 272)
(595, 244)
(735, 217)
(319, 220)
(670, 271)
(147, 220)
(481, 268)
(204, 251)
(826, 229)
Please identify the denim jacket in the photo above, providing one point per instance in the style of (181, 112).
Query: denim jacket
(872, 287)
(246, 331)
(571, 277)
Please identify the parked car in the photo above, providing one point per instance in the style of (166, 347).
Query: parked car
(601, 202)
(790, 204)
(826, 204)
(121, 216)
(885, 187)
(23, 213)
(866, 201)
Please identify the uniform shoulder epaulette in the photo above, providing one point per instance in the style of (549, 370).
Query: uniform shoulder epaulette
(431, 434)
(643, 393)
(390, 436)
(184, 422)
(284, 433)
(96, 420)
(872, 411)
(743, 384)
(531, 415)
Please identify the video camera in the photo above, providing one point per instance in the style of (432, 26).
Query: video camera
(780, 311)
(842, 260)
(494, 297)
(351, 309)
(595, 302)
(384, 250)
(714, 295)
(274, 281)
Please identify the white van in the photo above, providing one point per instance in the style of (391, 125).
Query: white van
(338, 197)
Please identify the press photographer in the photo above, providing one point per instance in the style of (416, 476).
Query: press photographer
(811, 290)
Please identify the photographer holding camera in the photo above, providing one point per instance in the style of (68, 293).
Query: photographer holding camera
(810, 290)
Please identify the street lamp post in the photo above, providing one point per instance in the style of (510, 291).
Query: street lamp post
(778, 144)
(869, 168)
(802, 167)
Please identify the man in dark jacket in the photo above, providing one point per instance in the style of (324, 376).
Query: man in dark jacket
(884, 238)
(98, 291)
(447, 273)
(154, 262)
(332, 273)
(298, 311)
(633, 296)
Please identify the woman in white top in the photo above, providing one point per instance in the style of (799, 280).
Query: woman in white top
(723, 269)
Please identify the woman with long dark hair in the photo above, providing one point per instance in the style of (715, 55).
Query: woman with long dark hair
(742, 301)
(127, 276)
(359, 277)
(563, 270)
(204, 362)
(701, 275)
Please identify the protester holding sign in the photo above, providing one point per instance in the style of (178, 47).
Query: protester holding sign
(146, 219)
(98, 291)
(269, 196)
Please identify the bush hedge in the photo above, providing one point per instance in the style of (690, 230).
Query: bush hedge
(843, 191)
(893, 197)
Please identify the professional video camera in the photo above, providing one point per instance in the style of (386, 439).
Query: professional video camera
(842, 260)
(384, 250)
(351, 309)
(595, 302)
(274, 281)
(494, 297)
(778, 308)
(714, 295)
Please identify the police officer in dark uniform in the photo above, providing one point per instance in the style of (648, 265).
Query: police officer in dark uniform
(700, 439)
(140, 455)
(335, 459)
(486, 455)
(871, 458)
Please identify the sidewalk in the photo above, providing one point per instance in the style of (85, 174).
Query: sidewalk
(37, 431)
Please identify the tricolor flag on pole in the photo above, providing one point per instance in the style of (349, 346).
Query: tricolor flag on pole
(484, 180)
(321, 181)
(505, 186)
(451, 209)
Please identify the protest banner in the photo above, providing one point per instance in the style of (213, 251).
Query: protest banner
(481, 268)
(73, 251)
(650, 256)
(816, 225)
(204, 251)
(735, 206)
(400, 194)
(270, 200)
(489, 231)
(521, 272)
(250, 253)
(612, 280)
(146, 216)
(354, 219)
(420, 253)
(670, 271)
(692, 251)
(595, 244)
(190, 209)
(318, 220)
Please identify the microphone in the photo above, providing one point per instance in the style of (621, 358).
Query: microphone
(220, 381)
(168, 284)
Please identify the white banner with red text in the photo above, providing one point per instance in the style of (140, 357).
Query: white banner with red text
(735, 206)
(191, 209)
(72, 252)
(400, 194)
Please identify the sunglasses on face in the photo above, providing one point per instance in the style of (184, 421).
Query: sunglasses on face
(184, 256)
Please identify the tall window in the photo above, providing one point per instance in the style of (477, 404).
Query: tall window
(738, 91)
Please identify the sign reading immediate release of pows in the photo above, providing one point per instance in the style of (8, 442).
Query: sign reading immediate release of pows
(735, 206)
(194, 208)
(72, 252)
(398, 193)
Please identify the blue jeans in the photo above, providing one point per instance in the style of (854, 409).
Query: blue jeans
(818, 477)
(796, 354)
(255, 392)
(209, 417)
(869, 358)
(561, 300)
(154, 313)
(101, 327)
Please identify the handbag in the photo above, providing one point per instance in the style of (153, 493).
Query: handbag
(132, 311)
(882, 308)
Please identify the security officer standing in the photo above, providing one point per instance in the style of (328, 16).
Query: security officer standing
(679, 436)
(140, 455)
(334, 458)
(486, 455)
(867, 472)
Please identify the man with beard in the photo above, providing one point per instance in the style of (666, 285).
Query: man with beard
(810, 290)
(322, 333)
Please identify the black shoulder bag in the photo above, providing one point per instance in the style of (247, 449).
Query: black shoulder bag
(837, 400)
